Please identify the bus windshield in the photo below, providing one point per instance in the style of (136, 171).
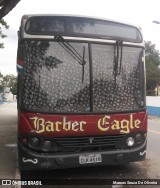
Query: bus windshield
(54, 81)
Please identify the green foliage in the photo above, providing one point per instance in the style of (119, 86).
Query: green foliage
(5, 7)
(4, 23)
(2, 36)
(152, 55)
(10, 81)
(1, 87)
(152, 70)
(1, 75)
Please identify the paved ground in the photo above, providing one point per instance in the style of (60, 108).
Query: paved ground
(150, 168)
(8, 133)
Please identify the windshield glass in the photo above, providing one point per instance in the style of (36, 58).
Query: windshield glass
(116, 92)
(53, 78)
(54, 81)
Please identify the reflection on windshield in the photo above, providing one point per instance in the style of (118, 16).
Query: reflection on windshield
(52, 80)
(73, 52)
(124, 93)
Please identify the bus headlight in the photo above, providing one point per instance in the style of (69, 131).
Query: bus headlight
(130, 141)
(34, 142)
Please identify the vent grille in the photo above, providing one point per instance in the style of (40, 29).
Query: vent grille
(89, 142)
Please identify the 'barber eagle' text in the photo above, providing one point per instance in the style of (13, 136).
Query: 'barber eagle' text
(105, 124)
(41, 125)
(124, 125)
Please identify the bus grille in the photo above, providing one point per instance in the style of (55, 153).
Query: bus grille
(89, 143)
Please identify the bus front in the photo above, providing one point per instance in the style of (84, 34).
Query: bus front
(81, 92)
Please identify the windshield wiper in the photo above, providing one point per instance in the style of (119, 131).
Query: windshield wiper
(83, 64)
(118, 58)
(73, 52)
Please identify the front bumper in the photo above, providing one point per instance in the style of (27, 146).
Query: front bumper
(30, 160)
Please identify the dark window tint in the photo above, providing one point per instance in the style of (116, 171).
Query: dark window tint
(82, 27)
(107, 29)
(44, 24)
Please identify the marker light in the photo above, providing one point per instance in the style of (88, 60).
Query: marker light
(130, 141)
(24, 140)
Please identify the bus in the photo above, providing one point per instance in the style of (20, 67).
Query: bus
(81, 92)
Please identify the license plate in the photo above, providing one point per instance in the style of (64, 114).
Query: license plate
(92, 158)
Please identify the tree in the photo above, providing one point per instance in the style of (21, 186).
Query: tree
(5, 7)
(3, 23)
(152, 55)
(1, 75)
(152, 70)
(10, 81)
(1, 87)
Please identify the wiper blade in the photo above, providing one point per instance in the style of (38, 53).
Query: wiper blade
(83, 64)
(118, 59)
(71, 50)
